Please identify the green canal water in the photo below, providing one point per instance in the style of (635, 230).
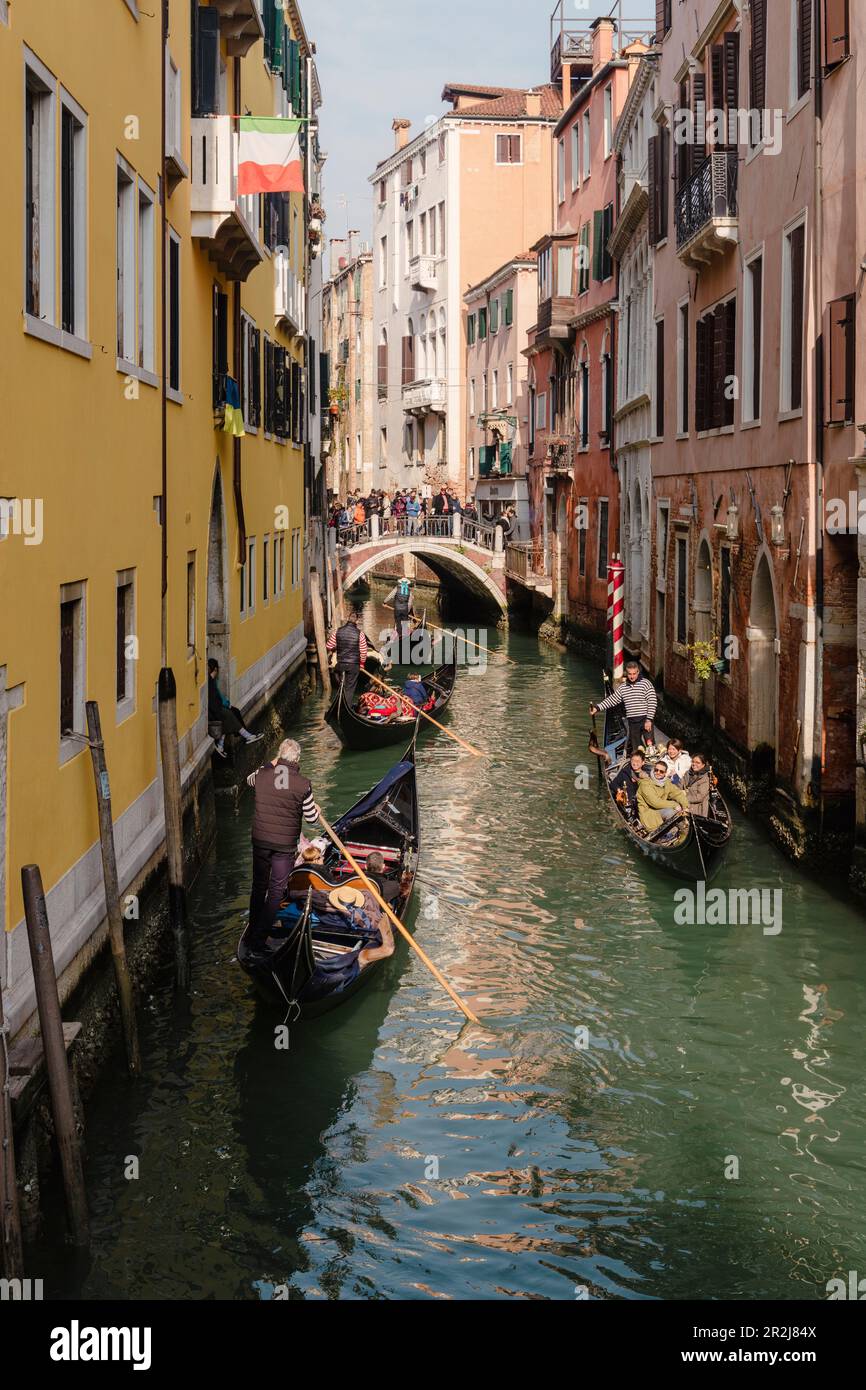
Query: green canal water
(394, 1153)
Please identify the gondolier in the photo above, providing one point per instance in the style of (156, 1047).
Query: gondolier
(403, 609)
(639, 702)
(350, 645)
(283, 799)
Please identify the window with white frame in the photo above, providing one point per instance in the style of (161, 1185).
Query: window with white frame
(494, 391)
(173, 309)
(575, 156)
(608, 121)
(383, 446)
(434, 242)
(793, 295)
(266, 565)
(509, 383)
(441, 229)
(472, 395)
(190, 603)
(125, 644)
(73, 217)
(484, 396)
(126, 270)
(146, 300)
(248, 579)
(683, 367)
(73, 632)
(560, 170)
(586, 145)
(541, 411)
(753, 313)
(40, 189)
(508, 149)
(296, 557)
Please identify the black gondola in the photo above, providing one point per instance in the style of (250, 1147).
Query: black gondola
(309, 964)
(696, 855)
(357, 731)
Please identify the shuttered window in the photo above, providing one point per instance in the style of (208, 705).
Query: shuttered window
(408, 359)
(583, 254)
(837, 42)
(659, 177)
(839, 360)
(205, 60)
(804, 46)
(715, 352)
(725, 600)
(732, 78)
(792, 357)
(758, 56)
(663, 19)
(382, 369)
(699, 119)
(581, 536)
(509, 308)
(220, 347)
(682, 592)
(660, 378)
(68, 614)
(653, 176)
(603, 547)
(753, 281)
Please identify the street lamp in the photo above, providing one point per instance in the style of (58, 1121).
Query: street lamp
(733, 525)
(777, 524)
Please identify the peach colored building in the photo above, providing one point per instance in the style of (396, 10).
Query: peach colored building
(499, 313)
(347, 339)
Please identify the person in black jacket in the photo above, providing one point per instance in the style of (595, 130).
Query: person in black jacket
(284, 798)
(219, 711)
(350, 645)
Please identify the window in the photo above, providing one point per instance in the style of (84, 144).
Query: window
(126, 275)
(494, 392)
(533, 406)
(581, 537)
(484, 393)
(560, 170)
(837, 40)
(482, 324)
(206, 66)
(433, 232)
(508, 149)
(278, 397)
(583, 260)
(383, 447)
(40, 182)
(382, 366)
(494, 316)
(472, 463)
(125, 643)
(541, 411)
(586, 145)
(73, 224)
(296, 557)
(470, 330)
(174, 314)
(408, 365)
(72, 665)
(383, 262)
(383, 192)
(839, 342)
(660, 379)
(659, 156)
(422, 234)
(266, 554)
(220, 346)
(359, 456)
(752, 338)
(601, 567)
(508, 310)
(608, 121)
(801, 50)
(715, 344)
(602, 227)
(575, 156)
(758, 61)
(509, 384)
(682, 591)
(472, 395)
(683, 369)
(545, 279)
(279, 565)
(410, 241)
(441, 229)
(248, 579)
(607, 396)
(442, 149)
(725, 600)
(190, 603)
(410, 441)
(564, 264)
(793, 285)
(146, 223)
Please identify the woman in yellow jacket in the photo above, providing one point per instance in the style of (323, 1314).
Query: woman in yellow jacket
(658, 799)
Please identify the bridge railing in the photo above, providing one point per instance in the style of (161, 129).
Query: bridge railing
(354, 534)
(479, 533)
(527, 561)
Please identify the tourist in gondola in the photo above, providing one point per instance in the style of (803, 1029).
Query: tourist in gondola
(678, 761)
(350, 644)
(658, 799)
(628, 778)
(284, 798)
(390, 888)
(697, 785)
(415, 690)
(639, 701)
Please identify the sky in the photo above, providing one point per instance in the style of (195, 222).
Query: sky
(378, 59)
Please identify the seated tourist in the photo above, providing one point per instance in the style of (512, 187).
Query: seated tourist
(375, 870)
(678, 761)
(362, 910)
(658, 799)
(626, 780)
(696, 784)
(415, 690)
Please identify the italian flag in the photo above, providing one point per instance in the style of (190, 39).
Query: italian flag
(269, 155)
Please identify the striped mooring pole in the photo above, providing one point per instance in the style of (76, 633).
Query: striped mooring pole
(616, 613)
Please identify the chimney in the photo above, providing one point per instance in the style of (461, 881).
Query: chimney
(353, 233)
(400, 127)
(566, 86)
(533, 103)
(603, 31)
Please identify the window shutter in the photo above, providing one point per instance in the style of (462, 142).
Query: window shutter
(311, 373)
(732, 77)
(597, 243)
(683, 162)
(720, 352)
(758, 54)
(797, 267)
(699, 117)
(837, 43)
(717, 75)
(652, 154)
(664, 178)
(662, 19)
(660, 377)
(382, 379)
(295, 50)
(67, 667)
(509, 307)
(804, 46)
(839, 358)
(278, 37)
(206, 61)
(730, 316)
(757, 344)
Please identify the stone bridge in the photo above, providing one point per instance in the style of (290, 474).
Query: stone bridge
(470, 552)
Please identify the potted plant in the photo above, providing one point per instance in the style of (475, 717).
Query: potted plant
(704, 658)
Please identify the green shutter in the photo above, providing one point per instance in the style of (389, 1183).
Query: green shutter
(278, 37)
(482, 324)
(494, 316)
(597, 244)
(505, 458)
(509, 307)
(295, 50)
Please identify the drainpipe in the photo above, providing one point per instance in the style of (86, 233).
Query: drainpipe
(236, 366)
(817, 292)
(164, 348)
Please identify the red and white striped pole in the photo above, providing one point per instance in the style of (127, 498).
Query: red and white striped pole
(616, 613)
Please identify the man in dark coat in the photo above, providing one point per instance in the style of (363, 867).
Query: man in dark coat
(283, 800)
(350, 644)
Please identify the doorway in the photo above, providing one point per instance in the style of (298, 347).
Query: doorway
(763, 665)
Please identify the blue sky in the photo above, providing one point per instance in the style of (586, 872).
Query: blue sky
(378, 59)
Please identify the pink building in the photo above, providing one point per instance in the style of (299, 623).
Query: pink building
(499, 313)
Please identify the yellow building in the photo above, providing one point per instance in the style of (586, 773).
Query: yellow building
(93, 423)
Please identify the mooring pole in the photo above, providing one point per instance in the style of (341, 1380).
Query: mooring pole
(167, 704)
(56, 1061)
(11, 1252)
(112, 892)
(319, 628)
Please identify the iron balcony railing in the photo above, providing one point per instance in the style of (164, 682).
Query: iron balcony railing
(711, 192)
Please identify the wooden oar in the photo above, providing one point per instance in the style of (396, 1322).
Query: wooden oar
(437, 974)
(391, 691)
(460, 638)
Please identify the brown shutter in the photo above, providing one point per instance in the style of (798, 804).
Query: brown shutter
(660, 377)
(664, 178)
(699, 117)
(758, 54)
(839, 358)
(661, 8)
(730, 360)
(720, 354)
(804, 46)
(710, 371)
(652, 155)
(383, 365)
(683, 147)
(700, 372)
(797, 268)
(717, 75)
(732, 82)
(757, 343)
(837, 43)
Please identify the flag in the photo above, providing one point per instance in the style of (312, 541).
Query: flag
(269, 155)
(234, 416)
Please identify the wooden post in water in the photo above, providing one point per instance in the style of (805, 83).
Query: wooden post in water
(319, 628)
(11, 1251)
(112, 892)
(171, 791)
(56, 1061)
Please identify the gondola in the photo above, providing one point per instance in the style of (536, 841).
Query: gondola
(697, 855)
(309, 964)
(356, 731)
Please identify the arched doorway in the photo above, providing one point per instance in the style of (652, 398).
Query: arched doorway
(218, 627)
(703, 608)
(763, 674)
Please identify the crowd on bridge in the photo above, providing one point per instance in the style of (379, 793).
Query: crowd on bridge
(407, 512)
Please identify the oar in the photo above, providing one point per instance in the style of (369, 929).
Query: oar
(460, 638)
(391, 691)
(437, 974)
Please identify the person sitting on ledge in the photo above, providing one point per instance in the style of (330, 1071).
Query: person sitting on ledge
(219, 711)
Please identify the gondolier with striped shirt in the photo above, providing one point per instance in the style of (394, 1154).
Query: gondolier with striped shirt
(350, 644)
(284, 798)
(639, 701)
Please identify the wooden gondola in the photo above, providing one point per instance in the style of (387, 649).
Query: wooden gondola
(309, 964)
(357, 731)
(698, 853)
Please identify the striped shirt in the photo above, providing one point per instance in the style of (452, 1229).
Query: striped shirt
(310, 809)
(331, 645)
(639, 700)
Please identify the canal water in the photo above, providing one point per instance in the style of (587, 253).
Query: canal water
(709, 1141)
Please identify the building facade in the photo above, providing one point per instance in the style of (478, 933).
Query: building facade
(135, 306)
(348, 341)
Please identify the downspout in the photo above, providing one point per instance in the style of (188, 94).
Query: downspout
(236, 366)
(817, 292)
(164, 347)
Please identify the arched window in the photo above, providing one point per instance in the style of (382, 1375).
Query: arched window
(382, 363)
(583, 388)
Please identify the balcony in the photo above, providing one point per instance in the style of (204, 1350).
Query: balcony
(240, 25)
(705, 210)
(290, 301)
(558, 452)
(422, 273)
(226, 223)
(553, 319)
(422, 397)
